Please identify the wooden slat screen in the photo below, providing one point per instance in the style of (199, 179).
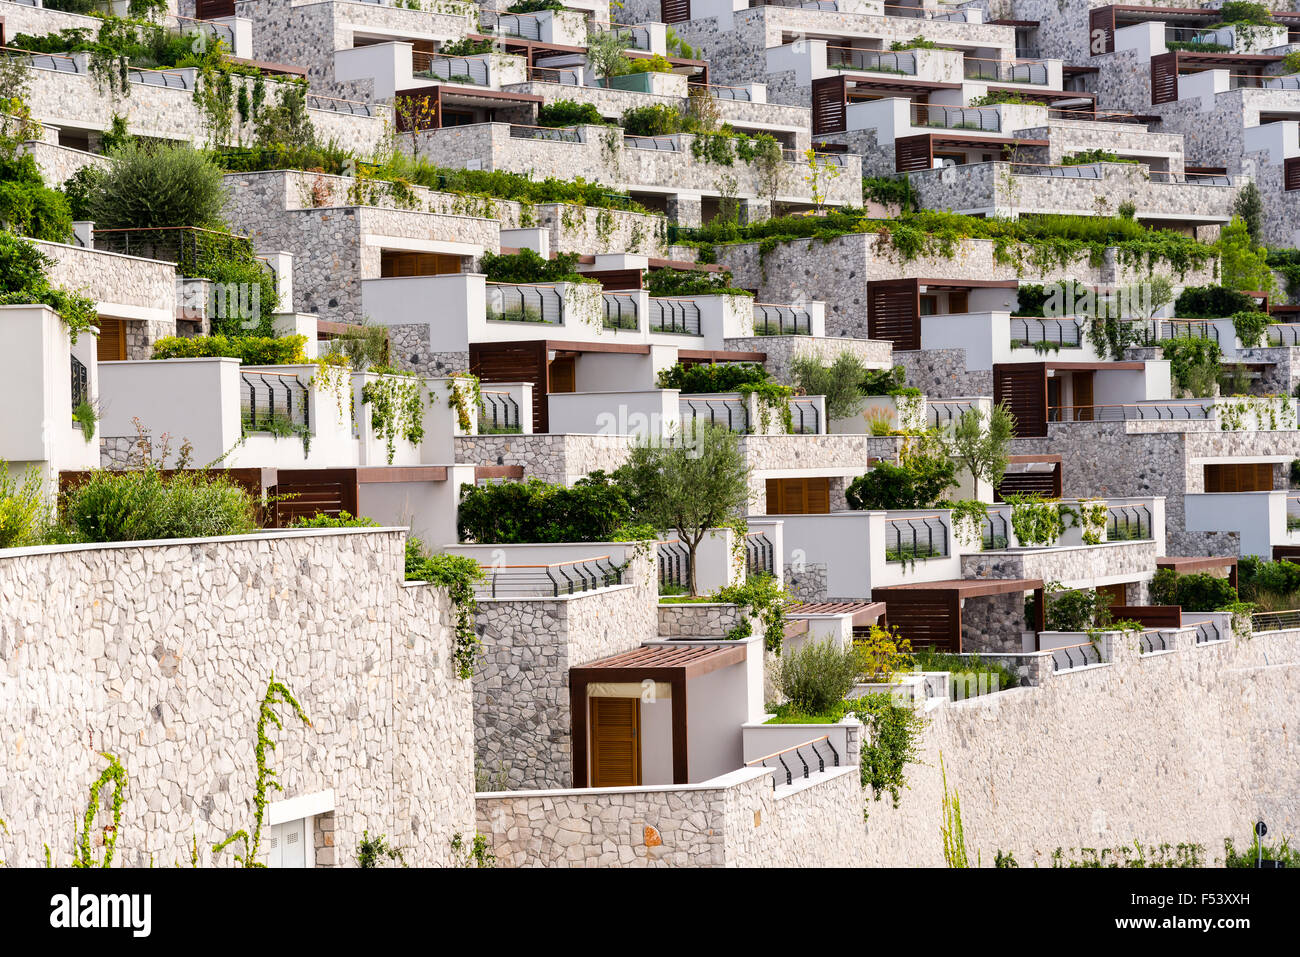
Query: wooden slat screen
(1291, 173)
(514, 362)
(894, 312)
(1164, 78)
(798, 496)
(1101, 30)
(924, 618)
(674, 11)
(828, 105)
(615, 742)
(1154, 616)
(213, 9)
(111, 344)
(1023, 387)
(1047, 484)
(616, 278)
(303, 493)
(913, 153)
(1239, 477)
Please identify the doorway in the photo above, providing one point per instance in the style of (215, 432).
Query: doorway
(563, 372)
(615, 742)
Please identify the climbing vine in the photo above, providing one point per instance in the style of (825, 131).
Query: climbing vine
(458, 574)
(1036, 520)
(396, 409)
(334, 374)
(466, 397)
(766, 600)
(276, 693)
(115, 775)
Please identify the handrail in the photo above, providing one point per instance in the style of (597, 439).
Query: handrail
(555, 578)
(796, 747)
(621, 310)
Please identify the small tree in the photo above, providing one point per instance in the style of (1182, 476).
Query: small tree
(821, 173)
(839, 382)
(1242, 264)
(981, 442)
(150, 185)
(415, 113)
(1249, 206)
(605, 53)
(691, 486)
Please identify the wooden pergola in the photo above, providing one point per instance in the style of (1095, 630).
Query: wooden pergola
(1187, 565)
(929, 613)
(673, 665)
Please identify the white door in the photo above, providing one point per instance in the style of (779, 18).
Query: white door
(287, 844)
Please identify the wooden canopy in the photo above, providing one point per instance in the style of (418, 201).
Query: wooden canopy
(1188, 564)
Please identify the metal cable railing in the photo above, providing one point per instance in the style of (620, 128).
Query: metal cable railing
(728, 92)
(273, 402)
(664, 144)
(674, 315)
(1275, 620)
(1065, 333)
(674, 564)
(521, 25)
(1004, 71)
(620, 311)
(787, 758)
(546, 74)
(80, 382)
(941, 412)
(1152, 411)
(1284, 334)
(556, 134)
(805, 416)
(1128, 523)
(759, 554)
(163, 78)
(994, 532)
(1206, 631)
(916, 537)
(524, 303)
(469, 69)
(500, 413)
(334, 104)
(1156, 330)
(774, 320)
(1149, 641)
(1070, 657)
(956, 117)
(550, 580)
(1082, 171)
(873, 61)
(731, 412)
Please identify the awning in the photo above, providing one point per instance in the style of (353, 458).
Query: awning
(962, 587)
(863, 612)
(660, 663)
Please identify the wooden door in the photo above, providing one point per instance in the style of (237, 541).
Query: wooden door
(1116, 596)
(563, 374)
(112, 340)
(798, 496)
(1083, 395)
(615, 742)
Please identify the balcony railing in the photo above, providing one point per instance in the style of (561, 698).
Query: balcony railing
(1153, 411)
(462, 69)
(664, 144)
(1190, 179)
(1070, 657)
(552, 580)
(1275, 620)
(164, 78)
(521, 25)
(1128, 523)
(524, 303)
(873, 61)
(774, 320)
(728, 92)
(1158, 330)
(620, 311)
(334, 104)
(499, 414)
(759, 554)
(680, 316)
(544, 74)
(80, 383)
(1206, 631)
(1149, 641)
(1065, 333)
(993, 535)
(674, 564)
(805, 417)
(924, 13)
(915, 538)
(273, 402)
(800, 759)
(552, 133)
(1284, 334)
(1005, 71)
(941, 412)
(956, 117)
(729, 412)
(1082, 171)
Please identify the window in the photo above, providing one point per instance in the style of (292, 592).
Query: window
(1239, 477)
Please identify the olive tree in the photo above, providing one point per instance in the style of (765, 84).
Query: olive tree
(980, 442)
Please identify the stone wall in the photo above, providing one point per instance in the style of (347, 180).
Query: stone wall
(736, 821)
(783, 350)
(521, 691)
(1185, 746)
(993, 623)
(160, 654)
(57, 163)
(698, 620)
(942, 373)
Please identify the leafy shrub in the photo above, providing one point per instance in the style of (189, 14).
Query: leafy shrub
(1077, 610)
(1256, 575)
(690, 282)
(1241, 11)
(1196, 592)
(655, 120)
(816, 676)
(1193, 363)
(27, 205)
(343, 519)
(886, 382)
(890, 191)
(764, 597)
(153, 185)
(79, 188)
(527, 266)
(712, 377)
(882, 653)
(533, 6)
(143, 505)
(592, 510)
(839, 382)
(1211, 302)
(989, 675)
(1249, 326)
(466, 47)
(650, 64)
(249, 350)
(918, 482)
(892, 745)
(568, 113)
(22, 508)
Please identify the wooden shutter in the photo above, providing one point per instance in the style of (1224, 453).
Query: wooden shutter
(213, 9)
(913, 152)
(894, 312)
(1164, 78)
(1023, 387)
(514, 362)
(615, 742)
(303, 493)
(1239, 477)
(395, 263)
(112, 340)
(1046, 484)
(798, 496)
(959, 301)
(1291, 173)
(674, 11)
(611, 279)
(1083, 395)
(1101, 20)
(828, 106)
